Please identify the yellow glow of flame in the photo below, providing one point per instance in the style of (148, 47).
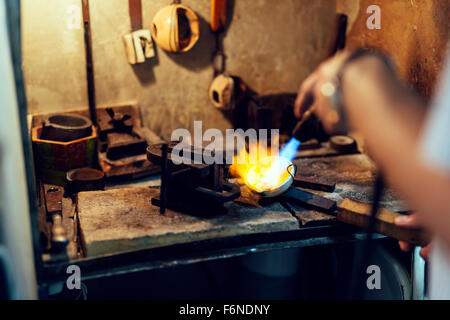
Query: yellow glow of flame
(265, 174)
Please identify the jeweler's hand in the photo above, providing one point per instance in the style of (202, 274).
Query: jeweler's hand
(310, 91)
(412, 222)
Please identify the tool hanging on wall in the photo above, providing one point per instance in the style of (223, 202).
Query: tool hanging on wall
(218, 14)
(176, 28)
(138, 44)
(89, 62)
(222, 88)
(218, 24)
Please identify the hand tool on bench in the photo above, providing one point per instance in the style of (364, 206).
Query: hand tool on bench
(357, 214)
(314, 183)
(348, 211)
(308, 200)
(53, 204)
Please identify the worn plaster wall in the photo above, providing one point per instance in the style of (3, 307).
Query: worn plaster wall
(53, 56)
(414, 32)
(271, 45)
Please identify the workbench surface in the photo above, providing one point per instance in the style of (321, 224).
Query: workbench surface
(123, 219)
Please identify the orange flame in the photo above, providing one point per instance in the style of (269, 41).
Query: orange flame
(265, 172)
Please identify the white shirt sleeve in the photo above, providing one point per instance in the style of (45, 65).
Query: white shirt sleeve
(436, 135)
(436, 151)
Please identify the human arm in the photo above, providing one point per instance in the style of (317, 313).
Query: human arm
(389, 117)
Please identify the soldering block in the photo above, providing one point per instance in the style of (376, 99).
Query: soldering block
(120, 220)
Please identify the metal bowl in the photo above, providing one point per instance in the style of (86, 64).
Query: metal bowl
(66, 127)
(283, 186)
(84, 179)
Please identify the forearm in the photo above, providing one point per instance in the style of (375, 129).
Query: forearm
(389, 118)
(372, 88)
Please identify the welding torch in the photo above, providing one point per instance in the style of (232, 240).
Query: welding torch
(335, 116)
(305, 116)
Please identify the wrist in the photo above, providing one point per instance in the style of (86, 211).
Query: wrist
(361, 69)
(359, 79)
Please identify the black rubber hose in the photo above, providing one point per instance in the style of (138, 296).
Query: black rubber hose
(365, 249)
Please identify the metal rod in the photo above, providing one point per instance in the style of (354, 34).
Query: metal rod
(89, 62)
(164, 178)
(308, 113)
